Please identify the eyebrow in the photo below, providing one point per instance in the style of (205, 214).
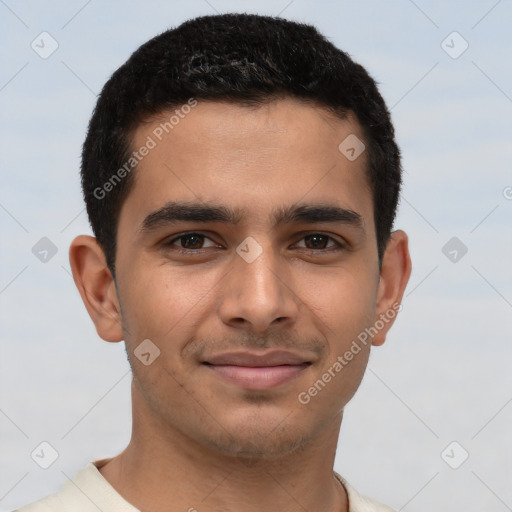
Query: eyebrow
(174, 212)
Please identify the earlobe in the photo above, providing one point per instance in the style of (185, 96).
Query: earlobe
(394, 276)
(96, 286)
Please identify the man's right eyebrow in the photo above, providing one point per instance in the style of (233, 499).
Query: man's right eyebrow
(174, 212)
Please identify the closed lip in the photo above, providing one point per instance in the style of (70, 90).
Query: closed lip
(257, 360)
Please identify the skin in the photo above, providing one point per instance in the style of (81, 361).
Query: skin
(198, 440)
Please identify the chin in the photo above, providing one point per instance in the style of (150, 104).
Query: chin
(250, 448)
(254, 436)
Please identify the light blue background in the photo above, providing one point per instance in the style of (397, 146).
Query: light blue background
(443, 375)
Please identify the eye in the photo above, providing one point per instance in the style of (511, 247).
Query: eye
(320, 241)
(195, 242)
(190, 242)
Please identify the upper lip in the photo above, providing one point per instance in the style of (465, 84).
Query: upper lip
(254, 359)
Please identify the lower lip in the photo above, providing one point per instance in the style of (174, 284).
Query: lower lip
(258, 378)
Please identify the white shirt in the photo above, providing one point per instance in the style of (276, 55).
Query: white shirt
(89, 491)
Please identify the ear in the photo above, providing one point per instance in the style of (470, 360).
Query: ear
(394, 276)
(96, 286)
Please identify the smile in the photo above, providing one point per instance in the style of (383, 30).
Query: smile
(256, 371)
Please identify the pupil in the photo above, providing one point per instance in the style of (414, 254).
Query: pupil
(192, 245)
(317, 240)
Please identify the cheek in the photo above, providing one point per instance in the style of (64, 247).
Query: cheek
(343, 299)
(159, 302)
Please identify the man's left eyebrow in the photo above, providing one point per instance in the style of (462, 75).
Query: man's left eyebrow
(174, 212)
(318, 213)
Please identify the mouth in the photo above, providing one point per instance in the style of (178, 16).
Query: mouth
(254, 371)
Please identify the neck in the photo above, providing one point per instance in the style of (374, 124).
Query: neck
(163, 466)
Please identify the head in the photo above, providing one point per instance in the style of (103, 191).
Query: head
(242, 59)
(235, 129)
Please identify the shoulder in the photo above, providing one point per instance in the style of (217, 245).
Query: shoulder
(49, 504)
(67, 496)
(87, 492)
(359, 503)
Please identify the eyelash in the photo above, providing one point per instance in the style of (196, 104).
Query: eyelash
(169, 244)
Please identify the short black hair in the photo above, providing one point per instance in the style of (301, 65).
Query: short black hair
(241, 58)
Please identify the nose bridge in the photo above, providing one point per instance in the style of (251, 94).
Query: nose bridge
(256, 292)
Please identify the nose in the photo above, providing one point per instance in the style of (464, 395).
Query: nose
(258, 295)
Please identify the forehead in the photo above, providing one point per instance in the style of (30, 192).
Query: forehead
(249, 158)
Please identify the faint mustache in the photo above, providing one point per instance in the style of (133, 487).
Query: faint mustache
(279, 341)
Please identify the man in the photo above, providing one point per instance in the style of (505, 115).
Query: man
(241, 177)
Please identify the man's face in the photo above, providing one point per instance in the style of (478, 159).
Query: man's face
(247, 315)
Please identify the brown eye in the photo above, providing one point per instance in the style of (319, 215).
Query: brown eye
(316, 241)
(193, 241)
(319, 241)
(190, 242)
